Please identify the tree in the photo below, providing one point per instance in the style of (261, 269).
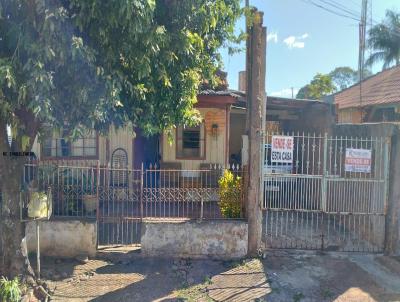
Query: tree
(320, 86)
(303, 92)
(343, 77)
(83, 64)
(384, 41)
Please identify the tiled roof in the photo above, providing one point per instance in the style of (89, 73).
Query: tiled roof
(382, 88)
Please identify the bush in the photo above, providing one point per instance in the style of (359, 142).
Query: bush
(230, 195)
(9, 290)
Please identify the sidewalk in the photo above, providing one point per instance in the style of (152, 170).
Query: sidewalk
(281, 276)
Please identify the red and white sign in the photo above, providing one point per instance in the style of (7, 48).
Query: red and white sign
(282, 149)
(358, 160)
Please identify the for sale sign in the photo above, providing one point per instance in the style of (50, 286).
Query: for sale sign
(358, 160)
(282, 149)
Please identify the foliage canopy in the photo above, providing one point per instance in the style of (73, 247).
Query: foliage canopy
(384, 40)
(324, 84)
(93, 62)
(320, 86)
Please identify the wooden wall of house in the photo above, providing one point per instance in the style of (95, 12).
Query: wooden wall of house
(215, 149)
(36, 148)
(349, 116)
(237, 129)
(120, 138)
(102, 150)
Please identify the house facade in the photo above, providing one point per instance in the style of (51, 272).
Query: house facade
(377, 99)
(188, 148)
(206, 144)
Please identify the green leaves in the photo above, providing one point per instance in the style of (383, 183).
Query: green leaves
(6, 73)
(93, 63)
(9, 290)
(384, 41)
(320, 86)
(230, 192)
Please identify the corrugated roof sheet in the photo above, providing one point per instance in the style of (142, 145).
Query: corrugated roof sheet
(228, 92)
(382, 88)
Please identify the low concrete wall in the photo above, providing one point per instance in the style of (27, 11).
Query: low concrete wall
(63, 238)
(206, 239)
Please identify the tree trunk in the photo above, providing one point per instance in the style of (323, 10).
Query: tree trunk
(13, 259)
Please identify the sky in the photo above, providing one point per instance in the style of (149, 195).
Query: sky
(303, 40)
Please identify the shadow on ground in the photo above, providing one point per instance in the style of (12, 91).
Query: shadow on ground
(118, 275)
(309, 276)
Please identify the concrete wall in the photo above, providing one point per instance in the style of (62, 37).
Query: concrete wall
(206, 239)
(392, 130)
(63, 238)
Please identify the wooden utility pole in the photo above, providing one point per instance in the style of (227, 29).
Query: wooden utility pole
(361, 55)
(256, 106)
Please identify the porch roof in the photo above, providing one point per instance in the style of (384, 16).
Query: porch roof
(274, 102)
(218, 98)
(283, 108)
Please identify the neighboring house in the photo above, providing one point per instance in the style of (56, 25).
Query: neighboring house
(284, 115)
(378, 99)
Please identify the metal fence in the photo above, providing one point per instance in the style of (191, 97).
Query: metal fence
(120, 198)
(330, 195)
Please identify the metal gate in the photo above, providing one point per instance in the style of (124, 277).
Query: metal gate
(126, 197)
(119, 206)
(325, 192)
(119, 198)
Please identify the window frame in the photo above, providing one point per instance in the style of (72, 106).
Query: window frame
(79, 157)
(202, 149)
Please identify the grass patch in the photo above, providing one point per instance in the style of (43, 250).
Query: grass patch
(298, 297)
(327, 294)
(193, 294)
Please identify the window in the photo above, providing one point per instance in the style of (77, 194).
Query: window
(119, 166)
(190, 142)
(85, 147)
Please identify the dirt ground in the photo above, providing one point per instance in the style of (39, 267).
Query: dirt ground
(123, 275)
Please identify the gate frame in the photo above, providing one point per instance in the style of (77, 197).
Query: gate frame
(384, 142)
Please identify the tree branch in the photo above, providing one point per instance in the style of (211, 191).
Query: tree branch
(31, 125)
